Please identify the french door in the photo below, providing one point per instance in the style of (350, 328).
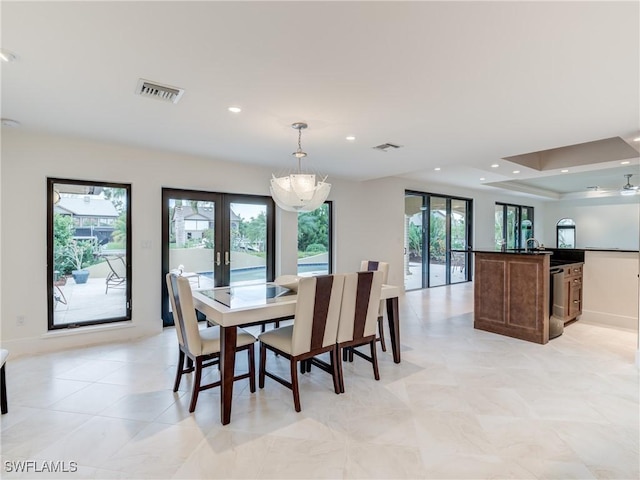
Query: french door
(437, 240)
(216, 239)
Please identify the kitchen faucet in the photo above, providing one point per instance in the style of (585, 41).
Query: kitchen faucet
(536, 244)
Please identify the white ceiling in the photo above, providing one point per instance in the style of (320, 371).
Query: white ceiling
(459, 84)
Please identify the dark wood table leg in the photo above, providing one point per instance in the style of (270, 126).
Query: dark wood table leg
(394, 327)
(228, 337)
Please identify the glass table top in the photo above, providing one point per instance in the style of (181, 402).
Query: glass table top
(240, 296)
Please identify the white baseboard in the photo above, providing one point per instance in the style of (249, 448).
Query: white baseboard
(609, 320)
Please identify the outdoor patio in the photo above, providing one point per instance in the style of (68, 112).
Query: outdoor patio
(88, 301)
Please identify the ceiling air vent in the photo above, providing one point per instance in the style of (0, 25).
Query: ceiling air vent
(386, 146)
(156, 90)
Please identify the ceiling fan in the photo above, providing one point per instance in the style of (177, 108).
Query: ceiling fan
(629, 189)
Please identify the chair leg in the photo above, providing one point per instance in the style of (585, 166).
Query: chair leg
(252, 368)
(340, 371)
(374, 360)
(3, 391)
(263, 361)
(196, 384)
(334, 370)
(179, 371)
(381, 333)
(294, 386)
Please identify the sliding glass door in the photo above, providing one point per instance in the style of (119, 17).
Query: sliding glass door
(440, 226)
(216, 239)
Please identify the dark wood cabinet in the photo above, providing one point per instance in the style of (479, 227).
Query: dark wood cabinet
(572, 295)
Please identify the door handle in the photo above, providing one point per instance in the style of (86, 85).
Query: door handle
(226, 258)
(218, 259)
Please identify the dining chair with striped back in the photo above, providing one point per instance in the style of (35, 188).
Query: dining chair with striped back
(370, 265)
(358, 318)
(314, 331)
(201, 348)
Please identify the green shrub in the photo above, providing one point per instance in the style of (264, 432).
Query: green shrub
(316, 248)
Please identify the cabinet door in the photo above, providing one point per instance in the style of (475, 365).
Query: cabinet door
(575, 297)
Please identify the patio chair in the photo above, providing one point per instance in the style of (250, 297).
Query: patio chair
(58, 294)
(117, 277)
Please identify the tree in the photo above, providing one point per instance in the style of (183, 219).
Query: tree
(62, 236)
(313, 229)
(119, 234)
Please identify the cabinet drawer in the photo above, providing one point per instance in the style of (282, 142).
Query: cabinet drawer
(573, 270)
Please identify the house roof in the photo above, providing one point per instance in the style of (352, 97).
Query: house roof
(205, 213)
(87, 206)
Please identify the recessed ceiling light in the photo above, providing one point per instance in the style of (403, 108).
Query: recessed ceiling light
(626, 162)
(234, 109)
(437, 169)
(516, 171)
(6, 55)
(564, 171)
(495, 165)
(482, 179)
(7, 122)
(351, 138)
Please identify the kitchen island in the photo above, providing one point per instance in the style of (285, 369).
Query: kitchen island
(511, 293)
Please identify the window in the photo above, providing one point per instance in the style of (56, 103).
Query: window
(89, 260)
(566, 233)
(513, 225)
(314, 241)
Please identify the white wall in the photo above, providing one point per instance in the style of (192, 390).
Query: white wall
(368, 225)
(611, 222)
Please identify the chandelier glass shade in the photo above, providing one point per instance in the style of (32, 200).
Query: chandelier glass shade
(298, 191)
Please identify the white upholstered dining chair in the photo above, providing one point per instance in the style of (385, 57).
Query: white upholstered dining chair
(314, 331)
(201, 348)
(358, 318)
(370, 265)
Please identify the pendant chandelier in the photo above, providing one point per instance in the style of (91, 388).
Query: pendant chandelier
(299, 192)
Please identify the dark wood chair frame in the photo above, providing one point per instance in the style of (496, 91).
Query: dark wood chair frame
(188, 363)
(332, 368)
(3, 390)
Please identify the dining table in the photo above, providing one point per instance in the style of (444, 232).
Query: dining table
(257, 304)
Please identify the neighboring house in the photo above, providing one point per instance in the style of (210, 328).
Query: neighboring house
(197, 221)
(93, 216)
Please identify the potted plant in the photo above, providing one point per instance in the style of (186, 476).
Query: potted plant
(80, 253)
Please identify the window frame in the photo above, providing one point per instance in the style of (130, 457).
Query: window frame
(518, 240)
(51, 326)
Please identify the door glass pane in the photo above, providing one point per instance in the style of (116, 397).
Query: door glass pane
(526, 226)
(413, 242)
(89, 249)
(437, 241)
(458, 240)
(512, 227)
(248, 234)
(499, 227)
(313, 242)
(191, 240)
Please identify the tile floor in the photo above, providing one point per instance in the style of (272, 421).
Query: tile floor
(463, 404)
